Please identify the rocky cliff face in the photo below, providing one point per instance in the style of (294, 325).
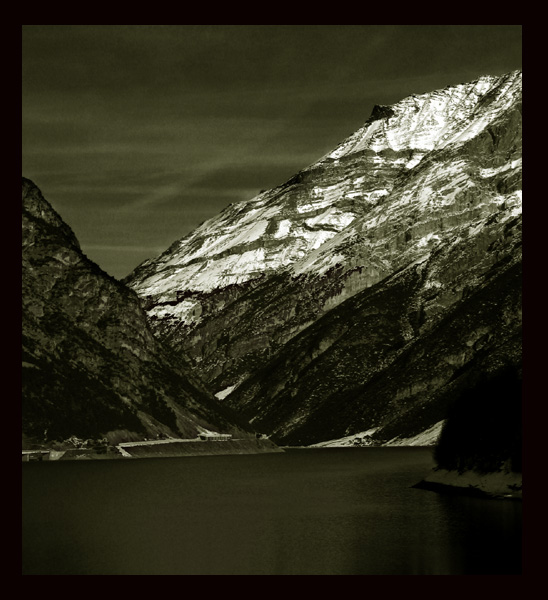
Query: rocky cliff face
(364, 292)
(91, 364)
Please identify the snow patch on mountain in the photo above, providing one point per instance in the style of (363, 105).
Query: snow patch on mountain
(491, 172)
(362, 438)
(284, 227)
(224, 393)
(428, 437)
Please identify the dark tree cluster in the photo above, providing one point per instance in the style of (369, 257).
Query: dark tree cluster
(483, 429)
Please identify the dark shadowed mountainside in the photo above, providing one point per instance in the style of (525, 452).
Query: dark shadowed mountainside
(91, 365)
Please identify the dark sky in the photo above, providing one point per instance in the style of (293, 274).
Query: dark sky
(138, 133)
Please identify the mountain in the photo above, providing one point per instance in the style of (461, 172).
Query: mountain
(91, 365)
(364, 295)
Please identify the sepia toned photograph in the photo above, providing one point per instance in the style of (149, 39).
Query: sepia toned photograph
(272, 300)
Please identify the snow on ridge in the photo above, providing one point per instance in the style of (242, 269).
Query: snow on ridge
(425, 121)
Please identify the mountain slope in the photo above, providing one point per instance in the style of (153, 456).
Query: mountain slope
(295, 301)
(357, 369)
(91, 365)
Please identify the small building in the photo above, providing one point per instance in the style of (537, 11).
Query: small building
(215, 437)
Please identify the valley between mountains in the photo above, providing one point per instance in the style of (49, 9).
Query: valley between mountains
(362, 300)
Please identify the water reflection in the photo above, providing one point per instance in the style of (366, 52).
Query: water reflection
(349, 512)
(485, 535)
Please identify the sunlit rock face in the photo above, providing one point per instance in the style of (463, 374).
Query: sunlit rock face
(91, 365)
(420, 207)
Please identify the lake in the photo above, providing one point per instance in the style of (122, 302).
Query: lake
(340, 511)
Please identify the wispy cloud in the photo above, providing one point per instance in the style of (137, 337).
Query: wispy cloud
(123, 248)
(162, 194)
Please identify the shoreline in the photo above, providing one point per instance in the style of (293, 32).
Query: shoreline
(498, 485)
(168, 448)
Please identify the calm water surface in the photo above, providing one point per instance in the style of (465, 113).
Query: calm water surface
(348, 511)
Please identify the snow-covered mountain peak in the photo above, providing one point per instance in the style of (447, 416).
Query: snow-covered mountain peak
(349, 204)
(423, 122)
